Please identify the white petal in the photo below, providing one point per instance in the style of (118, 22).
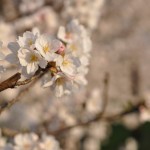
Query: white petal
(80, 80)
(18, 139)
(61, 33)
(59, 90)
(21, 41)
(23, 61)
(36, 31)
(2, 56)
(2, 69)
(12, 58)
(13, 46)
(1, 43)
(43, 63)
(51, 56)
(56, 45)
(50, 83)
(32, 68)
(70, 70)
(23, 55)
(24, 73)
(59, 60)
(84, 60)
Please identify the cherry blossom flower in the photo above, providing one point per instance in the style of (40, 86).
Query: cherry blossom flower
(79, 44)
(47, 46)
(67, 64)
(69, 33)
(60, 83)
(31, 60)
(28, 39)
(67, 56)
(12, 57)
(72, 64)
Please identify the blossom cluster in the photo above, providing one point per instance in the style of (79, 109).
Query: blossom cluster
(66, 56)
(80, 8)
(30, 141)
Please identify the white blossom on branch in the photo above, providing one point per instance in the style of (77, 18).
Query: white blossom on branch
(66, 56)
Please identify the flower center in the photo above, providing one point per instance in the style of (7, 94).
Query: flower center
(34, 58)
(46, 48)
(60, 81)
(30, 42)
(65, 63)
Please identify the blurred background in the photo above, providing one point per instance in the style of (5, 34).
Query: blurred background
(120, 33)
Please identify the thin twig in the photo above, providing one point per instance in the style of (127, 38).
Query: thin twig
(100, 116)
(8, 104)
(105, 93)
(13, 81)
(10, 82)
(111, 118)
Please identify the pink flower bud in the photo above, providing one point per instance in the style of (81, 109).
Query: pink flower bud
(61, 49)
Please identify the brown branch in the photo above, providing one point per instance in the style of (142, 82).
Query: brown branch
(111, 118)
(10, 82)
(6, 105)
(13, 81)
(9, 132)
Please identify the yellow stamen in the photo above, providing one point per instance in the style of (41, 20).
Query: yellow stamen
(46, 48)
(65, 63)
(34, 58)
(59, 81)
(30, 42)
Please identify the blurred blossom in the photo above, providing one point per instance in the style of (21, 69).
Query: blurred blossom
(144, 114)
(30, 141)
(25, 141)
(120, 37)
(8, 147)
(66, 116)
(27, 6)
(1, 58)
(48, 143)
(94, 102)
(7, 32)
(131, 144)
(92, 144)
(131, 121)
(1, 54)
(2, 141)
(12, 57)
(81, 9)
(45, 18)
